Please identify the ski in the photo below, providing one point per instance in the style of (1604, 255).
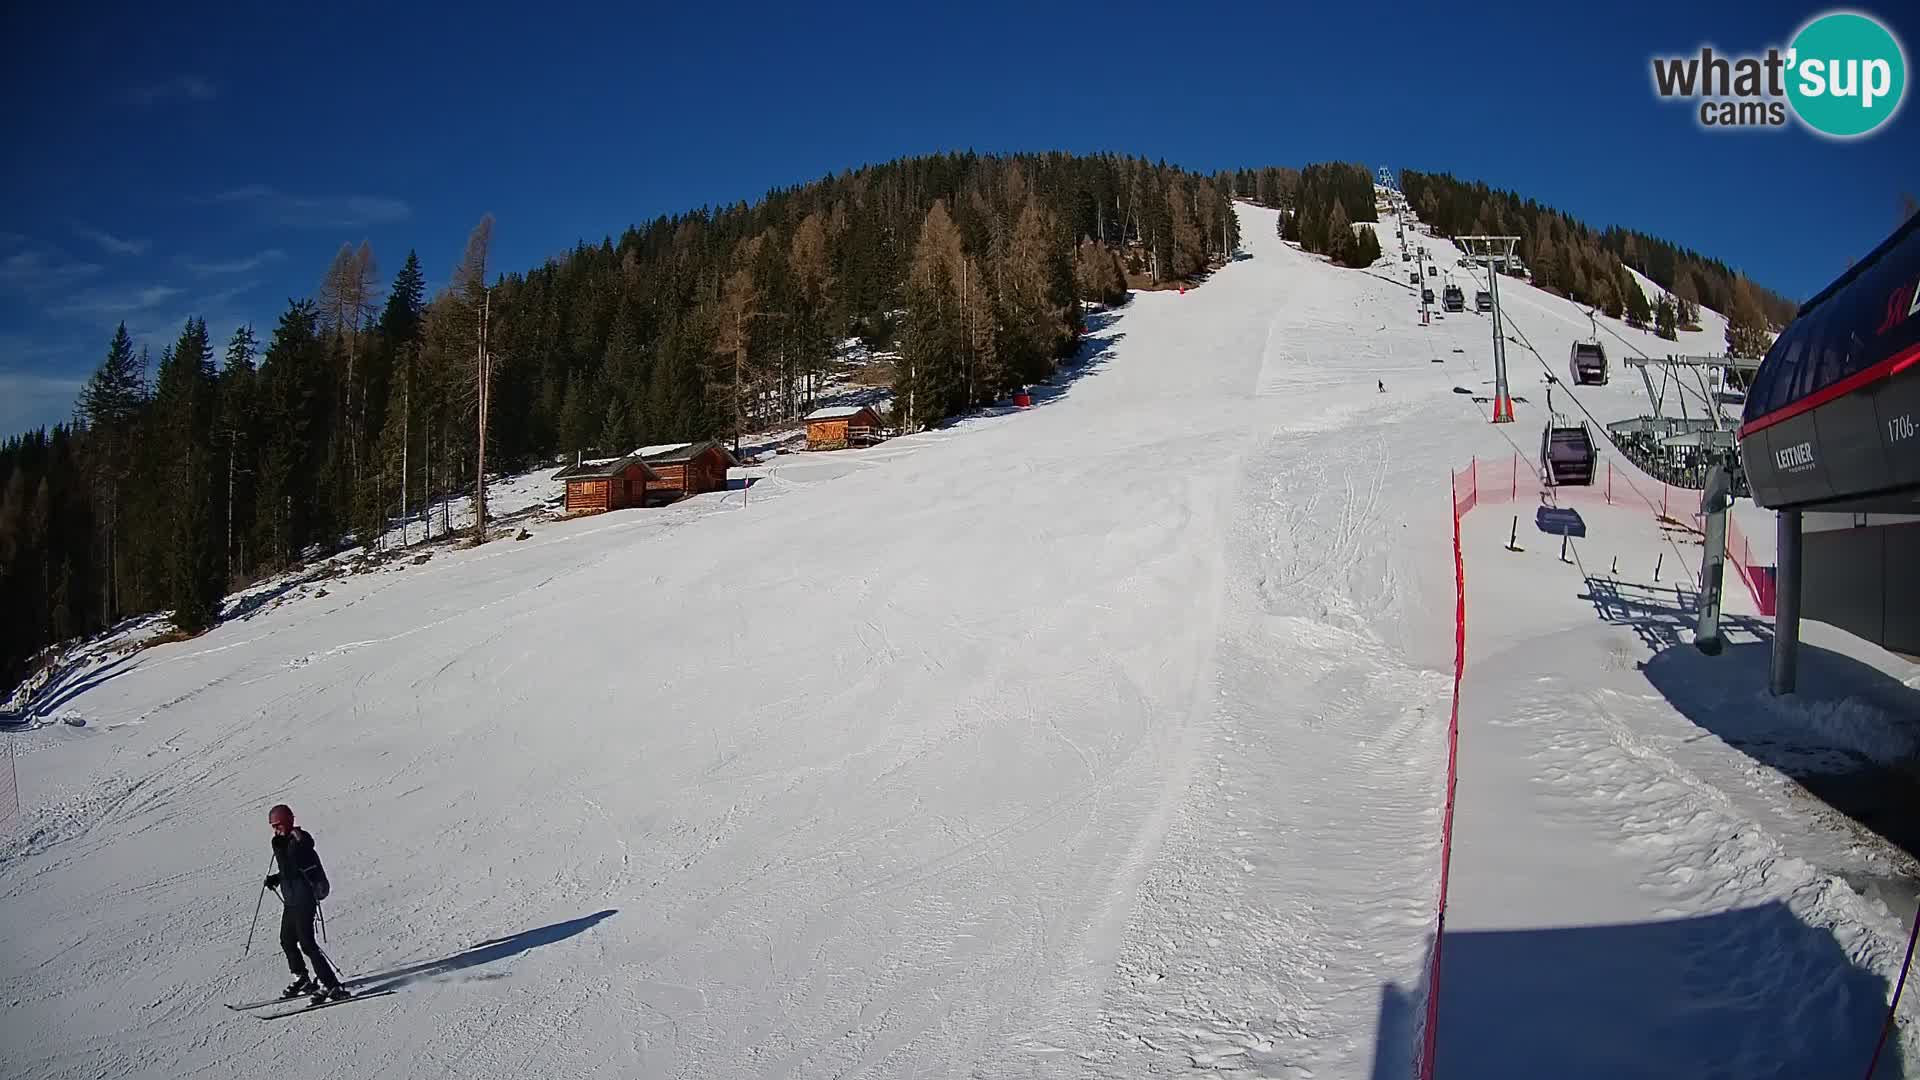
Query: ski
(323, 1005)
(245, 1005)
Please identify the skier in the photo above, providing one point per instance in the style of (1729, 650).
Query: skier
(1383, 385)
(303, 884)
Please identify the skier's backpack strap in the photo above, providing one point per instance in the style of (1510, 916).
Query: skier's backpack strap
(315, 873)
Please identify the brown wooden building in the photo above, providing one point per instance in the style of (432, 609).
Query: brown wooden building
(840, 426)
(607, 484)
(685, 469)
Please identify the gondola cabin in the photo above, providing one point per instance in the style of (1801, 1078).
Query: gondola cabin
(1482, 301)
(1453, 298)
(606, 484)
(1587, 363)
(1830, 436)
(1567, 453)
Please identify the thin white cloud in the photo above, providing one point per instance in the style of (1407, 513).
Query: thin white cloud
(182, 88)
(218, 301)
(29, 400)
(111, 244)
(240, 265)
(114, 303)
(315, 211)
(37, 270)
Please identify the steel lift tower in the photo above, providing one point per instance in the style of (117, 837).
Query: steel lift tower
(1487, 249)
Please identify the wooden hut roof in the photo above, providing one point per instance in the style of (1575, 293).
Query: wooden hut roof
(676, 453)
(838, 412)
(605, 469)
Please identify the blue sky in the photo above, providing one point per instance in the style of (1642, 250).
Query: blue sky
(167, 164)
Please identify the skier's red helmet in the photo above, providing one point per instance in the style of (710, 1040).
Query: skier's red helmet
(281, 815)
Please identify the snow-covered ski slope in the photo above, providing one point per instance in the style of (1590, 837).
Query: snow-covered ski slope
(1104, 738)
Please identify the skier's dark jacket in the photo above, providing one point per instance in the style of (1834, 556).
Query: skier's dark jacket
(302, 880)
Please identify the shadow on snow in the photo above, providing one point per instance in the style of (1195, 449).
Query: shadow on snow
(1750, 992)
(486, 952)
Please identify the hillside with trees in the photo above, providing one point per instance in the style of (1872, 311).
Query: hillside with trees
(1568, 257)
(188, 476)
(216, 464)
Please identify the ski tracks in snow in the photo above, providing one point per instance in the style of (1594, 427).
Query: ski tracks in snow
(1299, 875)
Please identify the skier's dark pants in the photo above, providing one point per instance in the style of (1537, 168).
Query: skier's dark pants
(296, 936)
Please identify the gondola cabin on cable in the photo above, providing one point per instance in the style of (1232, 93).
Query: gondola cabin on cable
(1482, 301)
(598, 484)
(1587, 363)
(1453, 298)
(686, 469)
(1567, 452)
(1830, 436)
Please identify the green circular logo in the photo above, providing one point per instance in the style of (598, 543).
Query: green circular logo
(1846, 74)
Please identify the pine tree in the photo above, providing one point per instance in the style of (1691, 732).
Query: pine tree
(1638, 310)
(1664, 318)
(1341, 248)
(346, 302)
(1188, 250)
(734, 378)
(576, 418)
(111, 403)
(1033, 323)
(1366, 249)
(235, 432)
(813, 282)
(470, 293)
(291, 416)
(184, 406)
(1747, 333)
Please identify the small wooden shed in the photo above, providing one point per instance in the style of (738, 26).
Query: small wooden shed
(684, 469)
(607, 484)
(839, 426)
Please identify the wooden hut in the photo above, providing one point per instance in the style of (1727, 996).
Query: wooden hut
(685, 469)
(839, 426)
(607, 484)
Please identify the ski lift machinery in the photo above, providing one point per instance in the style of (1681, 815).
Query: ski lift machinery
(1587, 359)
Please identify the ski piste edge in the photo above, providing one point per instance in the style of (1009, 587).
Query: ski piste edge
(324, 1005)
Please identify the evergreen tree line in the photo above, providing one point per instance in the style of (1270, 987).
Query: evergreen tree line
(1569, 258)
(181, 480)
(1319, 207)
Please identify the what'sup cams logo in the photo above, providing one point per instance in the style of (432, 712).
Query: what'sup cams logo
(1843, 76)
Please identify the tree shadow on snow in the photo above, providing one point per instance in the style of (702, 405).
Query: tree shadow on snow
(1818, 734)
(1093, 355)
(73, 680)
(1748, 992)
(486, 952)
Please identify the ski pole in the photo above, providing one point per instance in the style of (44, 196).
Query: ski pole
(257, 899)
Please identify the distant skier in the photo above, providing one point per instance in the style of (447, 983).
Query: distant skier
(303, 884)
(1383, 385)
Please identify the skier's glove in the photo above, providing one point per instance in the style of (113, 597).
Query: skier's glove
(273, 881)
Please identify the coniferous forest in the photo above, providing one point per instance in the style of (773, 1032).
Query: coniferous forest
(1567, 257)
(184, 476)
(189, 474)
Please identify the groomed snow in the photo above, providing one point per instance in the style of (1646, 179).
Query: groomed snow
(1103, 738)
